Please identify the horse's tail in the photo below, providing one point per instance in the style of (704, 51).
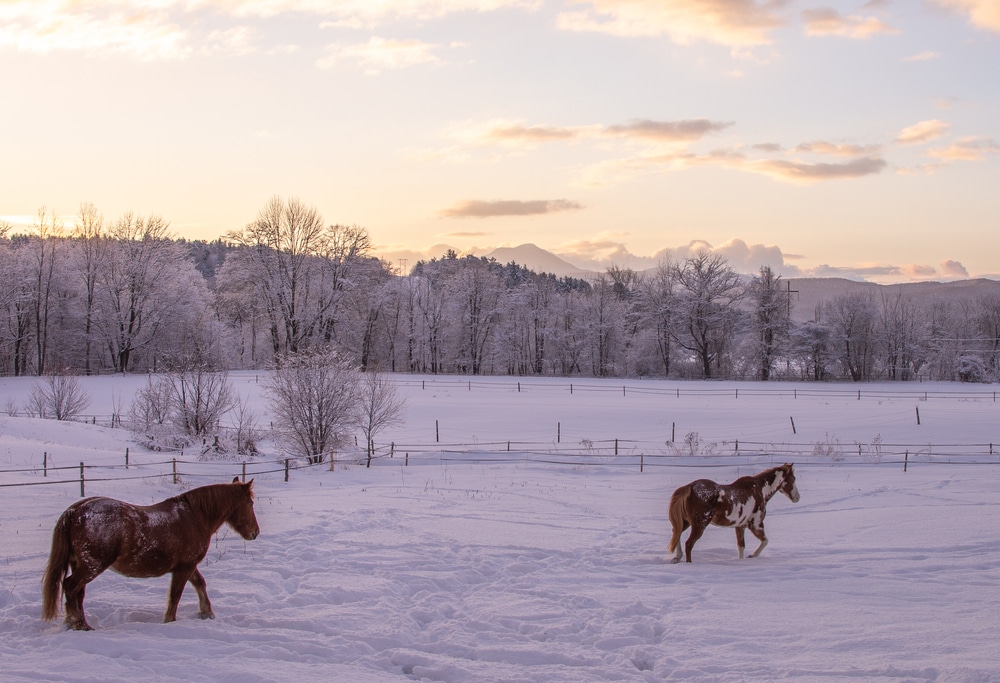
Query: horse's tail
(677, 513)
(56, 569)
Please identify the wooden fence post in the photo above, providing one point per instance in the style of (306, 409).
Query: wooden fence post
(126, 458)
(82, 489)
(175, 470)
(45, 464)
(286, 470)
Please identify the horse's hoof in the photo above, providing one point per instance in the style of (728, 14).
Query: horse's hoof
(78, 626)
(676, 560)
(209, 615)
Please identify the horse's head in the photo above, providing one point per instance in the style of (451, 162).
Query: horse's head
(243, 519)
(788, 486)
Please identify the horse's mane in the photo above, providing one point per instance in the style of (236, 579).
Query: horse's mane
(771, 470)
(209, 500)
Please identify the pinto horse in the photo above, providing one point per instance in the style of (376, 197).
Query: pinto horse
(142, 541)
(741, 504)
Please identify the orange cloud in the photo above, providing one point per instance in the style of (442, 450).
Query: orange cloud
(982, 13)
(838, 150)
(954, 269)
(110, 27)
(517, 133)
(966, 149)
(924, 56)
(735, 23)
(668, 131)
(829, 22)
(614, 171)
(799, 172)
(476, 208)
(164, 30)
(925, 131)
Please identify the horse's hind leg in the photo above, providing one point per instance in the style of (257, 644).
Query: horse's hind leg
(675, 542)
(74, 589)
(696, 531)
(204, 604)
(758, 531)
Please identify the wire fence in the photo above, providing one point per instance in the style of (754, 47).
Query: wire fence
(700, 389)
(634, 455)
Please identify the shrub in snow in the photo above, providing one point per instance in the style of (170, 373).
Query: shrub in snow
(971, 369)
(58, 397)
(150, 408)
(175, 410)
(829, 448)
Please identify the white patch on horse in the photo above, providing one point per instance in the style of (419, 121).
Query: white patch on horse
(770, 488)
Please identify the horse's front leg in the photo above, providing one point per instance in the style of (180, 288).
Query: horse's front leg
(741, 542)
(180, 576)
(758, 531)
(204, 604)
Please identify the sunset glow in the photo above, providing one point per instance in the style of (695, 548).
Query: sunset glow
(855, 139)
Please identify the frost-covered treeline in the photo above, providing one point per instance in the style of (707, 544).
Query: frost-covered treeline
(122, 295)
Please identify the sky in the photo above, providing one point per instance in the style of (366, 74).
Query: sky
(850, 139)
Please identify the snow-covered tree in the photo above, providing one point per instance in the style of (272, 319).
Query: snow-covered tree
(380, 406)
(770, 311)
(200, 397)
(313, 397)
(852, 319)
(134, 301)
(708, 290)
(88, 260)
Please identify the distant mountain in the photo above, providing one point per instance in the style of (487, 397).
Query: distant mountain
(537, 259)
(807, 293)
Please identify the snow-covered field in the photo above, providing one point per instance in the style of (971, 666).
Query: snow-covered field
(468, 562)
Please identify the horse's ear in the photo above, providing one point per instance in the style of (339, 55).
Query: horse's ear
(250, 484)
(236, 480)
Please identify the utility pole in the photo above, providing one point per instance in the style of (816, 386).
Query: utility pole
(790, 291)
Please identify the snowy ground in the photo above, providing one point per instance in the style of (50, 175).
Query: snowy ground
(547, 562)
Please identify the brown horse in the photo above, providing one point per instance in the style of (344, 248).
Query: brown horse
(741, 504)
(142, 541)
